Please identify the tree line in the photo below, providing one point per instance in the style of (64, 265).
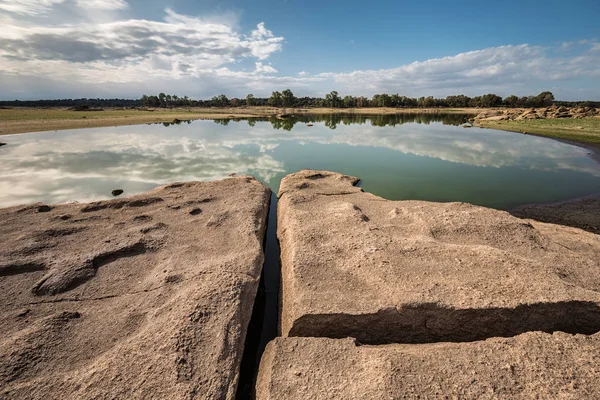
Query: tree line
(286, 98)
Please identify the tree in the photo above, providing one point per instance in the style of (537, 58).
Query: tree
(275, 100)
(349, 102)
(511, 101)
(332, 99)
(491, 100)
(381, 100)
(153, 101)
(429, 102)
(362, 101)
(162, 99)
(220, 101)
(288, 98)
(545, 99)
(250, 100)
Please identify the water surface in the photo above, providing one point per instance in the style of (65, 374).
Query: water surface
(427, 157)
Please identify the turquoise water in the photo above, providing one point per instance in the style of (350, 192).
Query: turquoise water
(408, 157)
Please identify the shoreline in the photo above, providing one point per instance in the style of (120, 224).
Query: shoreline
(31, 120)
(594, 149)
(580, 212)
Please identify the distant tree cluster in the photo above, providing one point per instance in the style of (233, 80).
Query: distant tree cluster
(287, 99)
(165, 101)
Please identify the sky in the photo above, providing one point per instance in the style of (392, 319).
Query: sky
(202, 48)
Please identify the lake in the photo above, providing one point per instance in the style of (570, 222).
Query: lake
(426, 157)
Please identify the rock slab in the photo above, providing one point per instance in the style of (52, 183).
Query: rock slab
(141, 297)
(533, 365)
(356, 265)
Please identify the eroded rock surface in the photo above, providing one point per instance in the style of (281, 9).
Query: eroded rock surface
(356, 265)
(520, 114)
(141, 297)
(530, 366)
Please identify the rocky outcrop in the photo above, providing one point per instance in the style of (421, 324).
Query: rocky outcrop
(356, 265)
(583, 213)
(529, 366)
(412, 299)
(519, 114)
(141, 297)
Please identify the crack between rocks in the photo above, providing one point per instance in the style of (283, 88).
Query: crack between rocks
(336, 194)
(263, 325)
(281, 194)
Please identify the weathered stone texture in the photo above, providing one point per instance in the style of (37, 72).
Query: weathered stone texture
(142, 297)
(356, 265)
(533, 365)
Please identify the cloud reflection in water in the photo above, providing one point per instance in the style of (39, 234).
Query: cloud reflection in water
(85, 165)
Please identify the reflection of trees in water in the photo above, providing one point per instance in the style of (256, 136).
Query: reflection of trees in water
(177, 122)
(333, 120)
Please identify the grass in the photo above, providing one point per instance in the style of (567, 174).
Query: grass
(585, 130)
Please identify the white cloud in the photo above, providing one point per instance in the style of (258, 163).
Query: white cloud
(260, 68)
(28, 7)
(103, 4)
(130, 51)
(41, 7)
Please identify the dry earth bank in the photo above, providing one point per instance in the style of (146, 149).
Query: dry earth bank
(142, 297)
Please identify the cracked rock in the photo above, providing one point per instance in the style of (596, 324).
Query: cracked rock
(533, 365)
(109, 288)
(356, 265)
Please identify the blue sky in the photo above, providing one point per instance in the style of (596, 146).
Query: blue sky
(125, 48)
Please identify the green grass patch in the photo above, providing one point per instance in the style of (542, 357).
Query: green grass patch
(584, 130)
